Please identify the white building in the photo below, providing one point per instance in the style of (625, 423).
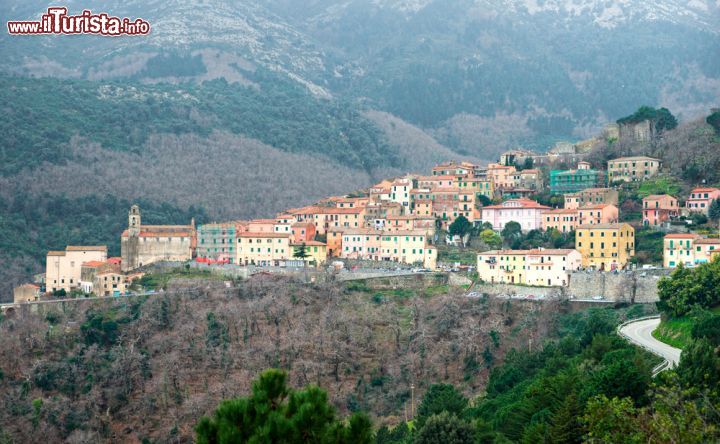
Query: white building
(526, 212)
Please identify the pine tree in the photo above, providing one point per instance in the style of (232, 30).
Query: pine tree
(274, 413)
(445, 429)
(301, 253)
(565, 426)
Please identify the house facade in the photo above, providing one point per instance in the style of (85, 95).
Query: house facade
(659, 208)
(632, 169)
(605, 247)
(63, 269)
(689, 249)
(573, 181)
(700, 200)
(592, 196)
(538, 267)
(526, 212)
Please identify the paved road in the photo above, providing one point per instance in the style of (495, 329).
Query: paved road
(640, 332)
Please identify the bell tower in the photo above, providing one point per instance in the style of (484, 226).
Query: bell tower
(134, 221)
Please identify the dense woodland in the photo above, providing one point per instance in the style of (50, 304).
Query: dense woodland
(483, 370)
(138, 368)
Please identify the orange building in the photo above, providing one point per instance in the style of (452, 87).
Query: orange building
(564, 220)
(597, 214)
(502, 176)
(302, 232)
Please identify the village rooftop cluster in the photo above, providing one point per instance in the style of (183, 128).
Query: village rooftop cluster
(399, 221)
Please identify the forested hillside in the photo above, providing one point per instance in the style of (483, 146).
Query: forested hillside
(138, 369)
(213, 150)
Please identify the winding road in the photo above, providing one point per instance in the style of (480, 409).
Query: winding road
(640, 333)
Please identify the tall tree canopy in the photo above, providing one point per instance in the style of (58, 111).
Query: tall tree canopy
(274, 413)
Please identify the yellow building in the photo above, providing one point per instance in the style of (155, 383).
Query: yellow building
(539, 267)
(263, 249)
(478, 186)
(64, 268)
(605, 246)
(502, 266)
(407, 247)
(316, 251)
(109, 283)
(26, 293)
(689, 249)
(631, 169)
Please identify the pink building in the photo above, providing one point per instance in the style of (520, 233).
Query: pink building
(597, 214)
(303, 232)
(502, 176)
(658, 208)
(526, 212)
(701, 198)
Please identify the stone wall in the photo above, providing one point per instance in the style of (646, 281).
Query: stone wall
(409, 281)
(507, 290)
(635, 287)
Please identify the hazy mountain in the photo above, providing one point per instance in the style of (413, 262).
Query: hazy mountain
(361, 88)
(558, 69)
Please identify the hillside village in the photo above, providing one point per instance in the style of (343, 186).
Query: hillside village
(537, 217)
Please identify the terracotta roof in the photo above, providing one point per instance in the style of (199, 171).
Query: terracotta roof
(255, 234)
(302, 224)
(144, 233)
(311, 243)
(602, 226)
(658, 196)
(56, 253)
(355, 210)
(93, 264)
(707, 242)
(114, 260)
(166, 228)
(595, 207)
(262, 221)
(503, 252)
(86, 248)
(682, 236)
(550, 252)
(311, 209)
(560, 211)
(702, 190)
(624, 159)
(524, 203)
(592, 190)
(29, 285)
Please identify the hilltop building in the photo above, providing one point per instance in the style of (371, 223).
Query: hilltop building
(659, 208)
(605, 246)
(689, 249)
(573, 181)
(526, 212)
(144, 244)
(408, 247)
(217, 241)
(538, 267)
(26, 293)
(64, 268)
(633, 169)
(700, 200)
(592, 196)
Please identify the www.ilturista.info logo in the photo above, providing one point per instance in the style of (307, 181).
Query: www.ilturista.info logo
(56, 21)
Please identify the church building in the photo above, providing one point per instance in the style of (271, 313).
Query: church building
(144, 244)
